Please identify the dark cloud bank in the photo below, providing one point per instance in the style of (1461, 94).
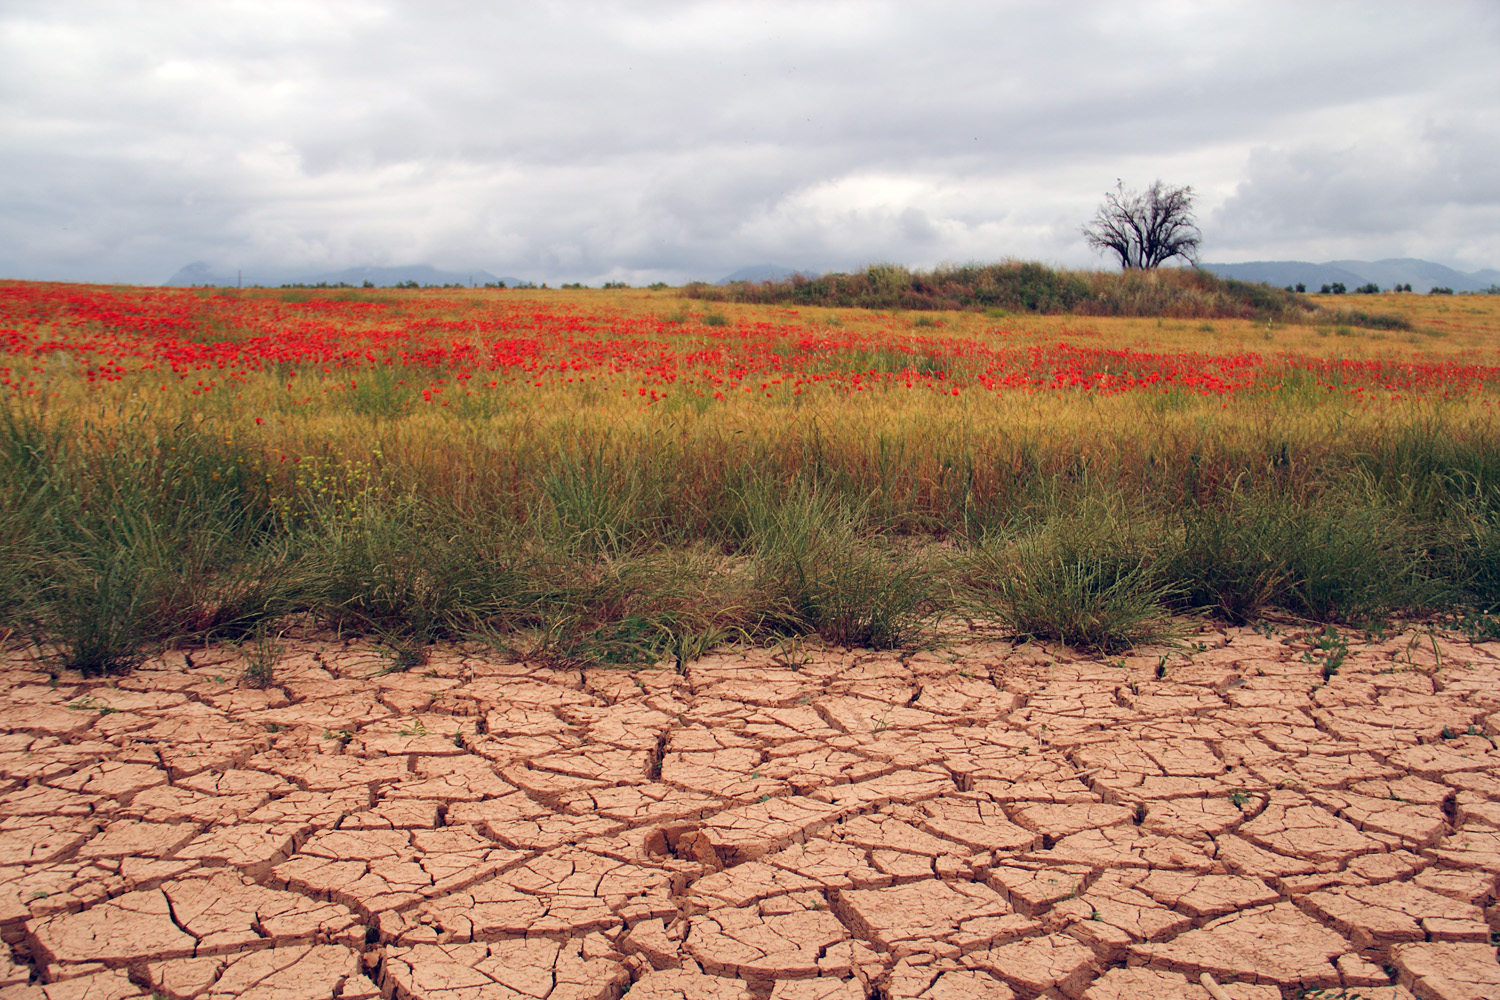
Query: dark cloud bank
(643, 141)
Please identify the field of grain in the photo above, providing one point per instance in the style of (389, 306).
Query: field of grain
(632, 476)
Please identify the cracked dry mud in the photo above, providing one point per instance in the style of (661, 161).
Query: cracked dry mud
(984, 821)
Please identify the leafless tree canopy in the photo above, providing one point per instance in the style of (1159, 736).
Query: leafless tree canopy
(1146, 229)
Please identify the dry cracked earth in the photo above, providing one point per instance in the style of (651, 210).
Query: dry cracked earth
(987, 821)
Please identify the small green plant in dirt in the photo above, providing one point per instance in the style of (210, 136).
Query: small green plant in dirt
(790, 653)
(261, 654)
(1483, 627)
(1414, 645)
(1334, 649)
(414, 729)
(401, 654)
(89, 703)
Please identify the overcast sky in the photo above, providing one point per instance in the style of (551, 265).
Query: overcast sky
(646, 140)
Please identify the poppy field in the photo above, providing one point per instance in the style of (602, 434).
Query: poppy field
(630, 475)
(447, 348)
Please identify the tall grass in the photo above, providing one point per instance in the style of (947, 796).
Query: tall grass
(820, 567)
(635, 544)
(409, 572)
(120, 541)
(1085, 571)
(1344, 555)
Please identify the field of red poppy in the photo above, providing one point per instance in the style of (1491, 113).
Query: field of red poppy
(649, 472)
(488, 349)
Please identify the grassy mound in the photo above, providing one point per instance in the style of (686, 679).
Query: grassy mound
(1014, 286)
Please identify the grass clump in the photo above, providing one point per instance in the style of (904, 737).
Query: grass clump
(1073, 579)
(118, 547)
(667, 604)
(1343, 556)
(261, 653)
(411, 573)
(1359, 317)
(819, 567)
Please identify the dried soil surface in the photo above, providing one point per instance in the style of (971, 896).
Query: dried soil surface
(987, 821)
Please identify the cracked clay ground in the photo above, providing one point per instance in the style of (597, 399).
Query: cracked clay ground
(987, 821)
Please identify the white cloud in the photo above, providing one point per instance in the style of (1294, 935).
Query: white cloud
(579, 140)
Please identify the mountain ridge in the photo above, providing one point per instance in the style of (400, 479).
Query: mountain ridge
(1422, 275)
(762, 272)
(203, 273)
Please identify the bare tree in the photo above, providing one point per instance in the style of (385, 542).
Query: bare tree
(1146, 229)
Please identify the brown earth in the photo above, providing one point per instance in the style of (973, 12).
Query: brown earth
(985, 821)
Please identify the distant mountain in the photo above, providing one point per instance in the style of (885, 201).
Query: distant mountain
(420, 273)
(1422, 275)
(201, 273)
(761, 272)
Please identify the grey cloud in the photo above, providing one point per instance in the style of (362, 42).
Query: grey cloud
(580, 140)
(1432, 193)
